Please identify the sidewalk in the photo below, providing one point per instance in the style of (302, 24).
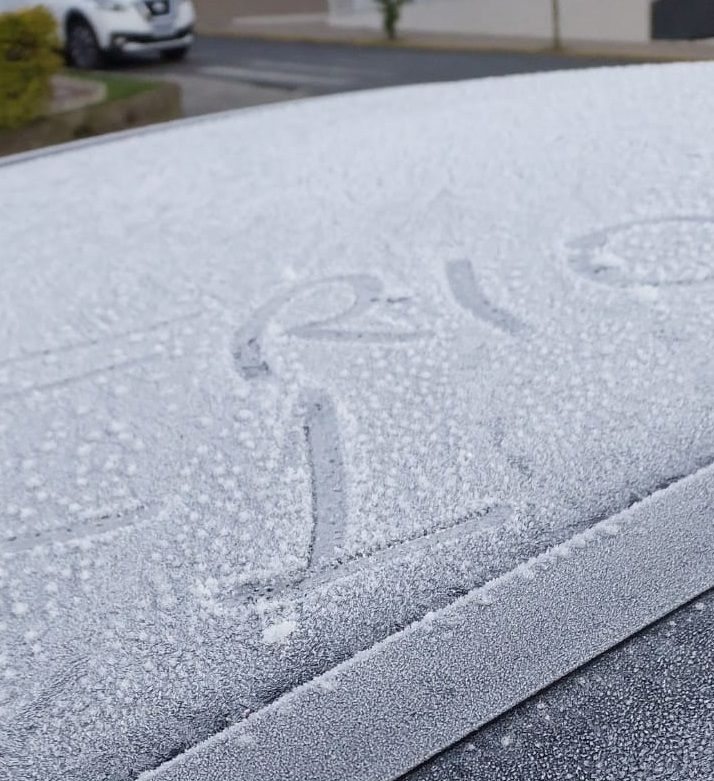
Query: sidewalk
(70, 93)
(219, 20)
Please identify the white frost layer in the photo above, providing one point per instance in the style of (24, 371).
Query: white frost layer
(411, 696)
(352, 357)
(278, 633)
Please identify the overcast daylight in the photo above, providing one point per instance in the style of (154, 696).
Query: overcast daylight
(356, 390)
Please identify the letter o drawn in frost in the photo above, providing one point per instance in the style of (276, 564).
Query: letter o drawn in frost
(662, 252)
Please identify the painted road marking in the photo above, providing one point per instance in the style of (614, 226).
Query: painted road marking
(278, 78)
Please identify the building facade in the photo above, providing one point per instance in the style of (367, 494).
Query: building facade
(636, 21)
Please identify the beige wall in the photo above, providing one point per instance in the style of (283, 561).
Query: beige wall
(605, 20)
(213, 14)
(262, 7)
(486, 17)
(613, 20)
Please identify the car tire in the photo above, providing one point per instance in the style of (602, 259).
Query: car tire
(175, 55)
(83, 49)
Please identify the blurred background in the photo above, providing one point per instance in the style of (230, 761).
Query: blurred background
(70, 69)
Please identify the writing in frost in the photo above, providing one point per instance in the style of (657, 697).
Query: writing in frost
(642, 252)
(665, 253)
(320, 425)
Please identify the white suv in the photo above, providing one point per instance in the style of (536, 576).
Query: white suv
(90, 30)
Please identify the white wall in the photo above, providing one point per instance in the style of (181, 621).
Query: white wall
(605, 20)
(529, 18)
(581, 20)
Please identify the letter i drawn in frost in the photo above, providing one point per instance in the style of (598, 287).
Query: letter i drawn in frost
(469, 296)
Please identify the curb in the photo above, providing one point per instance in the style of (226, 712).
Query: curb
(496, 46)
(158, 103)
(78, 93)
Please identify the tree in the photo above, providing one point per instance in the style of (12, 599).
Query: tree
(391, 11)
(556, 24)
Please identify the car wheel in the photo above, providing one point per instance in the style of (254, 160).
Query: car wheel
(82, 46)
(175, 55)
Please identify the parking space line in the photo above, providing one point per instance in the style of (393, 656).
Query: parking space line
(300, 66)
(273, 77)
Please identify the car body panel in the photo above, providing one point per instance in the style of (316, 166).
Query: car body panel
(126, 19)
(277, 384)
(642, 712)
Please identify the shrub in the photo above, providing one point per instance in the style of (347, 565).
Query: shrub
(28, 44)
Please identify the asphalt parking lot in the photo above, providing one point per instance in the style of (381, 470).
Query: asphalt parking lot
(228, 73)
